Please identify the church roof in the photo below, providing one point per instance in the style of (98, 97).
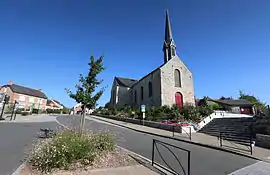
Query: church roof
(127, 82)
(149, 73)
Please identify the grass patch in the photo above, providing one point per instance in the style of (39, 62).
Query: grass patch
(68, 147)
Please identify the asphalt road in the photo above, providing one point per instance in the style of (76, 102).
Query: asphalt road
(16, 140)
(204, 161)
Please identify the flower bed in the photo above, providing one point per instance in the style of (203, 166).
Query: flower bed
(71, 153)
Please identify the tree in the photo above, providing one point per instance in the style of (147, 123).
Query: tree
(258, 104)
(86, 92)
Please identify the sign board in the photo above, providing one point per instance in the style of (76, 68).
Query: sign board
(143, 108)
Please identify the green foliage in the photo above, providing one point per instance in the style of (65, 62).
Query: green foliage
(24, 113)
(65, 110)
(187, 113)
(85, 90)
(191, 112)
(205, 110)
(258, 104)
(68, 147)
(215, 106)
(53, 111)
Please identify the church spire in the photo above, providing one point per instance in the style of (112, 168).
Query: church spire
(169, 48)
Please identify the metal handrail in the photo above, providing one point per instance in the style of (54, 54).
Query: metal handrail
(250, 146)
(165, 145)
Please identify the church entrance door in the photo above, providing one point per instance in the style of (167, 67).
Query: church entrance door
(179, 99)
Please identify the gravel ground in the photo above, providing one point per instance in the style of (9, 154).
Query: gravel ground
(118, 158)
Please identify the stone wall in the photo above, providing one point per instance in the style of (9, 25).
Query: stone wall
(155, 99)
(145, 123)
(168, 88)
(263, 140)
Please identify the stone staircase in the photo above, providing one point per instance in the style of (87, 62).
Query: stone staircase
(238, 130)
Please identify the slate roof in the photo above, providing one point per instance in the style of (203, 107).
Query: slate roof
(235, 102)
(26, 91)
(126, 82)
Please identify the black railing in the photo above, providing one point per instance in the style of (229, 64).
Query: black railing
(185, 132)
(168, 167)
(250, 145)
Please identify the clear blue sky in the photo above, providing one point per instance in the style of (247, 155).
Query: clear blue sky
(225, 43)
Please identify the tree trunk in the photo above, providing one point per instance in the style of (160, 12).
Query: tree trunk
(82, 120)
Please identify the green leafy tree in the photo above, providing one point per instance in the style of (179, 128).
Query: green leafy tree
(86, 92)
(258, 104)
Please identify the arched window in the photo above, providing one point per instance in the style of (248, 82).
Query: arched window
(141, 93)
(177, 78)
(150, 89)
(135, 96)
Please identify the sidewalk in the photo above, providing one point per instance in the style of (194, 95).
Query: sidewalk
(197, 138)
(30, 118)
(127, 170)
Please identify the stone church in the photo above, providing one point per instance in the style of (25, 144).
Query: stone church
(170, 83)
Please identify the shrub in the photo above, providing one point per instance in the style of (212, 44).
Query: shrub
(35, 111)
(53, 111)
(205, 110)
(68, 147)
(24, 113)
(190, 112)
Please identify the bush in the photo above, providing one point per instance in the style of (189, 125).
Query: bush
(68, 147)
(205, 111)
(35, 111)
(53, 111)
(24, 113)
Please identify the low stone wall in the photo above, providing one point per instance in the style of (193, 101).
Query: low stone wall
(146, 123)
(263, 140)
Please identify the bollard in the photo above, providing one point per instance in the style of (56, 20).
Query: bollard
(189, 133)
(173, 130)
(220, 140)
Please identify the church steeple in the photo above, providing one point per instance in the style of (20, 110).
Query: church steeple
(169, 48)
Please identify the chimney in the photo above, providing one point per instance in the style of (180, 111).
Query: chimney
(40, 90)
(10, 82)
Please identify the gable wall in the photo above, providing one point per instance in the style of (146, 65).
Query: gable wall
(168, 88)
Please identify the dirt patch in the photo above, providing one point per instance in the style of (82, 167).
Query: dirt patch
(118, 158)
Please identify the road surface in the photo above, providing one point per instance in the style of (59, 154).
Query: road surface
(204, 161)
(16, 140)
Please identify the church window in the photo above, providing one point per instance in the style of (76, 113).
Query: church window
(142, 93)
(177, 78)
(150, 89)
(135, 96)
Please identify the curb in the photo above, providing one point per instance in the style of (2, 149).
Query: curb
(182, 140)
(19, 169)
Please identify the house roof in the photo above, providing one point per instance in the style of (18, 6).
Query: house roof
(25, 90)
(235, 102)
(49, 101)
(127, 82)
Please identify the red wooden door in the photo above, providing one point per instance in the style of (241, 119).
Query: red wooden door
(179, 99)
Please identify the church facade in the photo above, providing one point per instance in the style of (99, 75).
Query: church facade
(171, 83)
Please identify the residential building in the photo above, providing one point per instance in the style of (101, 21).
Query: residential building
(27, 97)
(171, 83)
(54, 104)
